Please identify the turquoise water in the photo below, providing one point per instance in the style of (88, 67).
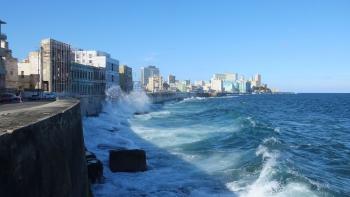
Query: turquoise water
(253, 145)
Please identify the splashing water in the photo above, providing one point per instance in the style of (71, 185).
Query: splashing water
(245, 146)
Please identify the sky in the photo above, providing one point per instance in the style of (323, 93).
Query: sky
(296, 45)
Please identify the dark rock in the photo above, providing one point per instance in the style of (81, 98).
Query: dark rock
(127, 160)
(95, 170)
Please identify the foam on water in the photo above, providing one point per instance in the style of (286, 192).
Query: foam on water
(189, 160)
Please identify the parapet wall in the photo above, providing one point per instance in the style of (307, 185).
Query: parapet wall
(91, 105)
(42, 152)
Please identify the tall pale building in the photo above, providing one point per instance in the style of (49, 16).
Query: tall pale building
(217, 85)
(147, 72)
(56, 66)
(257, 79)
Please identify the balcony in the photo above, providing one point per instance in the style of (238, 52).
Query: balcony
(3, 52)
(3, 37)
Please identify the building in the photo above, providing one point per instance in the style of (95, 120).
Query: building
(147, 72)
(231, 77)
(155, 84)
(181, 86)
(56, 60)
(228, 86)
(8, 64)
(171, 79)
(245, 87)
(102, 60)
(226, 76)
(257, 80)
(2, 64)
(248, 87)
(217, 85)
(187, 82)
(199, 83)
(29, 72)
(87, 80)
(28, 82)
(125, 78)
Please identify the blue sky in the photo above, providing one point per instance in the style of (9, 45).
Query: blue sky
(297, 45)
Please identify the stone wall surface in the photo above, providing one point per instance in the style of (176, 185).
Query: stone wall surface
(91, 105)
(42, 151)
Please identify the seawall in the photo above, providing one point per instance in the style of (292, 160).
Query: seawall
(42, 151)
(160, 97)
(91, 105)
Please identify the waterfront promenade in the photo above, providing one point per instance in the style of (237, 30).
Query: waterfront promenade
(11, 107)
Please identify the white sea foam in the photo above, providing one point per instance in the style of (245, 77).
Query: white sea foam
(266, 185)
(193, 98)
(173, 172)
(169, 174)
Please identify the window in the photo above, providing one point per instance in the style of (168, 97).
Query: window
(90, 55)
(22, 74)
(11, 72)
(90, 61)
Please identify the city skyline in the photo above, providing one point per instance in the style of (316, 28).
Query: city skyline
(304, 49)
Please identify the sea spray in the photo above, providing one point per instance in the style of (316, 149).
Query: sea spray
(241, 146)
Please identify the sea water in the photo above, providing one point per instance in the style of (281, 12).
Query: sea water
(246, 145)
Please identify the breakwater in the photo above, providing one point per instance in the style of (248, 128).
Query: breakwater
(161, 97)
(42, 151)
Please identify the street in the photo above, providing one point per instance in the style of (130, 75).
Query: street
(5, 108)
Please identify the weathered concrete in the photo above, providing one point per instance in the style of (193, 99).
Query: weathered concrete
(91, 105)
(42, 151)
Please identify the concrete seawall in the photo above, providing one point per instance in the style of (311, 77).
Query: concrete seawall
(91, 105)
(42, 151)
(160, 97)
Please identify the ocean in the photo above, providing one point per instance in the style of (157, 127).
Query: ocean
(244, 145)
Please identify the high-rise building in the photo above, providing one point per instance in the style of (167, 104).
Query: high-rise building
(56, 60)
(171, 79)
(257, 79)
(242, 86)
(147, 72)
(102, 60)
(125, 77)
